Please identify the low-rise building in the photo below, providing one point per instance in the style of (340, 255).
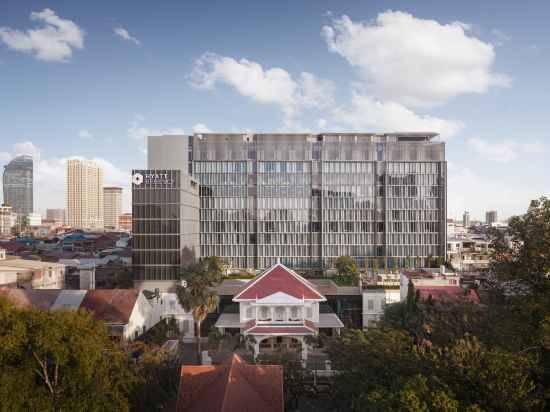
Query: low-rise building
(237, 386)
(468, 253)
(437, 285)
(378, 292)
(126, 312)
(279, 308)
(31, 274)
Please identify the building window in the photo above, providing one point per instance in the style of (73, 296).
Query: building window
(309, 313)
(249, 313)
(280, 314)
(370, 304)
(264, 313)
(185, 326)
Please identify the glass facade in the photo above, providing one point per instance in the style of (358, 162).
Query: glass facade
(164, 223)
(18, 184)
(308, 199)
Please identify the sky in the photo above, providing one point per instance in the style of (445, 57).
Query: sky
(93, 79)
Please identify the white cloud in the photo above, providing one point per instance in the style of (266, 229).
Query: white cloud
(473, 191)
(503, 151)
(139, 133)
(321, 123)
(415, 61)
(123, 34)
(53, 41)
(85, 134)
(50, 175)
(201, 128)
(27, 148)
(367, 113)
(266, 86)
(500, 37)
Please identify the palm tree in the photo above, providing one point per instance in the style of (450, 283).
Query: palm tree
(198, 295)
(200, 303)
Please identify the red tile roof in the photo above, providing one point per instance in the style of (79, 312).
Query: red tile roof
(453, 293)
(279, 279)
(111, 305)
(235, 387)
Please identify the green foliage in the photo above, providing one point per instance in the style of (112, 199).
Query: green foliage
(294, 375)
(528, 258)
(384, 370)
(161, 332)
(62, 361)
(121, 280)
(347, 270)
(199, 297)
(158, 379)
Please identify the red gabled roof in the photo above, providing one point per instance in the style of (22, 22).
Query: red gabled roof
(279, 278)
(453, 293)
(231, 388)
(111, 305)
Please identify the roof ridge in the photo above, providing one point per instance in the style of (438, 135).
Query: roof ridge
(244, 376)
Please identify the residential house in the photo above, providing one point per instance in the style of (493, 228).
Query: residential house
(234, 387)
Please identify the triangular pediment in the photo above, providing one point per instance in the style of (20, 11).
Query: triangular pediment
(279, 298)
(276, 279)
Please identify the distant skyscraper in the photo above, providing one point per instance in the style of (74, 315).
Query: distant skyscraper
(8, 220)
(18, 184)
(466, 219)
(84, 194)
(57, 215)
(112, 206)
(491, 217)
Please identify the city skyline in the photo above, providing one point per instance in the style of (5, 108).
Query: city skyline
(315, 75)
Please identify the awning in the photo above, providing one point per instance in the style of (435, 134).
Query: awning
(228, 320)
(329, 320)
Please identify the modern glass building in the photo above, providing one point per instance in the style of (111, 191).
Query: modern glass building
(303, 199)
(18, 185)
(308, 199)
(165, 212)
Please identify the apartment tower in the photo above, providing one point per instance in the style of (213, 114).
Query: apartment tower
(84, 193)
(112, 201)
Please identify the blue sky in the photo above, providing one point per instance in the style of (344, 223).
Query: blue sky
(91, 79)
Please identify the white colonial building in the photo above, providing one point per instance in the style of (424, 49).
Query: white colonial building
(279, 308)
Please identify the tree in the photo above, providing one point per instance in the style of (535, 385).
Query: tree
(347, 269)
(198, 296)
(528, 257)
(60, 361)
(385, 370)
(158, 378)
(294, 375)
